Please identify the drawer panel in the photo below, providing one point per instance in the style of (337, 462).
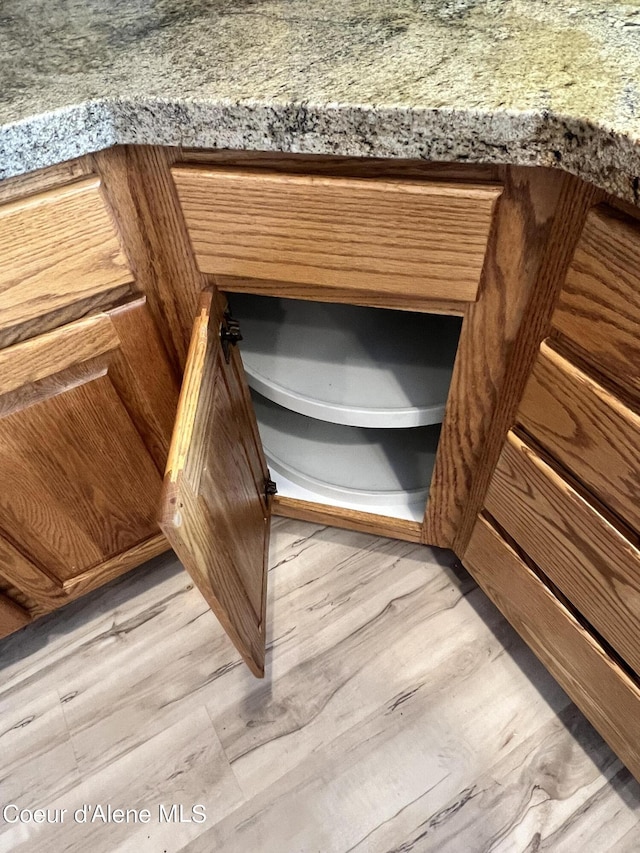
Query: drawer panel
(422, 239)
(597, 684)
(578, 549)
(57, 248)
(599, 306)
(587, 428)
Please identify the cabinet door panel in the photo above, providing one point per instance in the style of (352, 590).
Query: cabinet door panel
(80, 484)
(214, 509)
(12, 616)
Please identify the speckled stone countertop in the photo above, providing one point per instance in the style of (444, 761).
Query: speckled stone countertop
(547, 82)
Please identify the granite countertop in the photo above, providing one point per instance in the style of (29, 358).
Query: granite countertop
(546, 82)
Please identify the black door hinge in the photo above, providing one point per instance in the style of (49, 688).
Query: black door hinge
(230, 334)
(270, 488)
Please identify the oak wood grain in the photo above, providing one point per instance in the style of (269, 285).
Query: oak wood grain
(394, 236)
(144, 378)
(588, 558)
(602, 690)
(56, 248)
(62, 316)
(21, 186)
(587, 428)
(12, 616)
(599, 306)
(349, 519)
(480, 395)
(137, 183)
(85, 419)
(56, 351)
(214, 511)
(537, 225)
(326, 293)
(39, 593)
(343, 166)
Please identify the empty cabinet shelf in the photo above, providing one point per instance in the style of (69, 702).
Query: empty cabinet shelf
(385, 471)
(346, 364)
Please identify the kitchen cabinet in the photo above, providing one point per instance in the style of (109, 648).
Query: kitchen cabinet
(535, 473)
(246, 226)
(87, 401)
(84, 417)
(561, 512)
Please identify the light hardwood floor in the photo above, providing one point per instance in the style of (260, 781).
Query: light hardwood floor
(399, 713)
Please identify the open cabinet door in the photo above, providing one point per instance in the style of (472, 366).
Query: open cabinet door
(215, 507)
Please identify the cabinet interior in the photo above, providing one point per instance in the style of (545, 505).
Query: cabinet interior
(349, 399)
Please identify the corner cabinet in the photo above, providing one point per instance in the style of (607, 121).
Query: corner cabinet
(435, 248)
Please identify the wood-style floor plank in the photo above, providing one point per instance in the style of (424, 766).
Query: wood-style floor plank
(399, 712)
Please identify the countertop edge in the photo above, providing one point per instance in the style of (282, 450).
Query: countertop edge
(598, 154)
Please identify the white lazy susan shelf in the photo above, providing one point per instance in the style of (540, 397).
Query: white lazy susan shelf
(384, 471)
(345, 364)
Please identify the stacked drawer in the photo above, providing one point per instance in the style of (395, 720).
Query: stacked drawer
(60, 257)
(567, 489)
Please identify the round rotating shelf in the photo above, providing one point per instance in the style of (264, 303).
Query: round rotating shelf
(346, 364)
(359, 467)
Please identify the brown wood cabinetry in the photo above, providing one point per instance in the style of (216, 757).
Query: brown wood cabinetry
(85, 413)
(536, 480)
(87, 398)
(560, 518)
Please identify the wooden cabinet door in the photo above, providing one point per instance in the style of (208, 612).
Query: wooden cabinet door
(215, 507)
(85, 421)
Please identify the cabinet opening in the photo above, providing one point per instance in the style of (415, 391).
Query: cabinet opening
(349, 399)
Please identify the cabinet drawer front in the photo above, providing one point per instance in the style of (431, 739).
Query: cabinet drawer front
(600, 688)
(599, 306)
(588, 429)
(57, 249)
(422, 239)
(579, 550)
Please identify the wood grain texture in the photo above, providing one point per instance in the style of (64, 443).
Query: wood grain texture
(325, 293)
(588, 429)
(137, 183)
(393, 236)
(21, 186)
(12, 616)
(40, 593)
(341, 166)
(85, 419)
(46, 322)
(537, 224)
(214, 511)
(479, 391)
(389, 674)
(599, 306)
(592, 562)
(145, 379)
(349, 519)
(605, 694)
(56, 248)
(54, 352)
